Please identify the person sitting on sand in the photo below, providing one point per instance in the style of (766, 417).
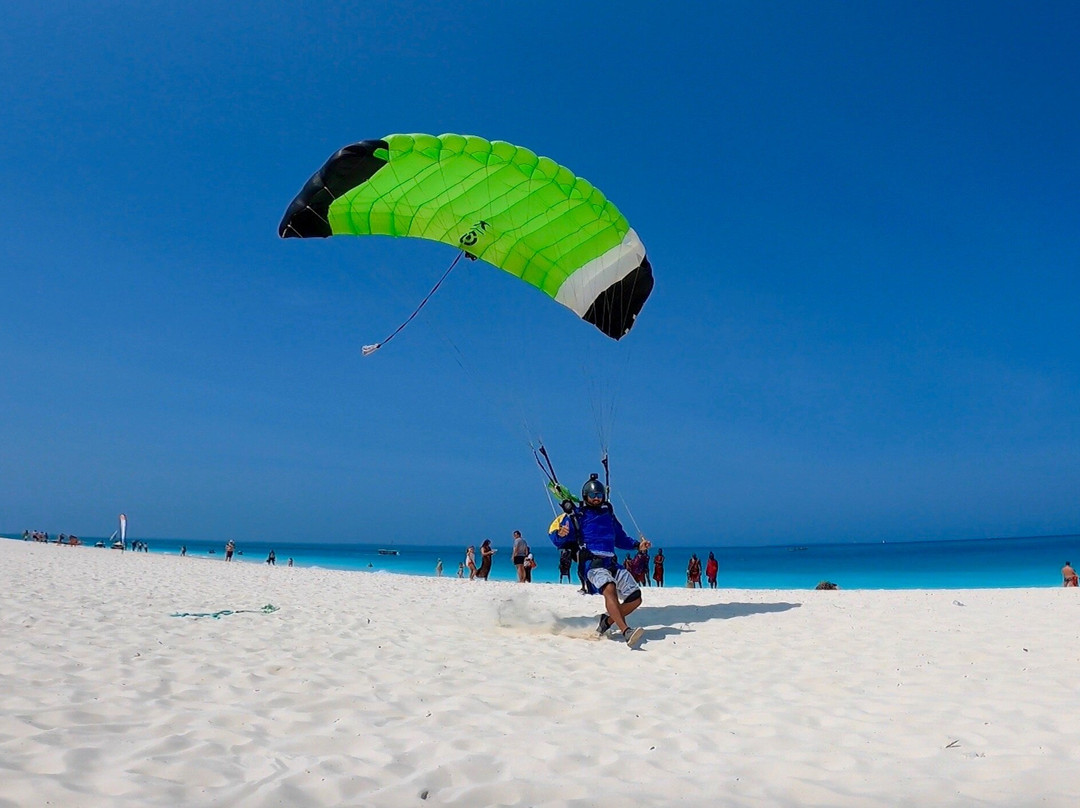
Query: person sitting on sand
(593, 528)
(1068, 574)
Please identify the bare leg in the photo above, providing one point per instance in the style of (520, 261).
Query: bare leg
(615, 610)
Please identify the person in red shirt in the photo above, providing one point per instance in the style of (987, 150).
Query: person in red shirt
(711, 568)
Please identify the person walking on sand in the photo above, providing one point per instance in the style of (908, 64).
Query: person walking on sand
(486, 552)
(1068, 575)
(229, 548)
(711, 568)
(470, 561)
(521, 549)
(593, 528)
(658, 568)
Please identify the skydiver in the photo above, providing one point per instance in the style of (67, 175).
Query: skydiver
(593, 528)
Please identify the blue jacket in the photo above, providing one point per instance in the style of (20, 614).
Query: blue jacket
(596, 529)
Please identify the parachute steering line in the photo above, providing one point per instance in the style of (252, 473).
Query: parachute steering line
(368, 350)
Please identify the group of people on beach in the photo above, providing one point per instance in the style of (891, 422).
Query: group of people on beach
(487, 552)
(73, 541)
(638, 566)
(44, 538)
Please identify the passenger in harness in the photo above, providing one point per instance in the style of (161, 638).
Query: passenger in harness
(594, 530)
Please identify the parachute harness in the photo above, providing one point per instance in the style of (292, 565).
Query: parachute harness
(368, 350)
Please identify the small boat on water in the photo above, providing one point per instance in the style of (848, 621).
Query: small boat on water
(388, 552)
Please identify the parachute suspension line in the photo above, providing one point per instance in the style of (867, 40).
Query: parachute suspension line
(631, 515)
(551, 500)
(368, 350)
(549, 474)
(553, 476)
(607, 472)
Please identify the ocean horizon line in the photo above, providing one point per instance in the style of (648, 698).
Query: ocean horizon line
(679, 546)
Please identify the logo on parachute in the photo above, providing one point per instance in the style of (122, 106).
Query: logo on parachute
(472, 235)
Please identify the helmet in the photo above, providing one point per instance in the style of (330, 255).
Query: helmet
(593, 488)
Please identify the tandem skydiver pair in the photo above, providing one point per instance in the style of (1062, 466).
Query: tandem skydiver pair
(592, 529)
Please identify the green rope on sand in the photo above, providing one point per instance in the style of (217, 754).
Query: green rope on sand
(267, 609)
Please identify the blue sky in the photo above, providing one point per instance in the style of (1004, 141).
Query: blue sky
(863, 220)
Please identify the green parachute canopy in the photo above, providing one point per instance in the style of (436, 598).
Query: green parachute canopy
(522, 213)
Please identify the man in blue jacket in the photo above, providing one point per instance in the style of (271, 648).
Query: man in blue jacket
(594, 529)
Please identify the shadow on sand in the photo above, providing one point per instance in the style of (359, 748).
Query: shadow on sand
(666, 621)
(669, 618)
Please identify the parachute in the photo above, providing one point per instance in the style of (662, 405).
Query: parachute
(494, 201)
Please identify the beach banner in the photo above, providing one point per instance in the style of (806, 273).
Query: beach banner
(123, 527)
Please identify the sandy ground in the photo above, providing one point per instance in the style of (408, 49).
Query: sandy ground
(386, 690)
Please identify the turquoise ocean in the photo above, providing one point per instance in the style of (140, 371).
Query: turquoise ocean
(984, 563)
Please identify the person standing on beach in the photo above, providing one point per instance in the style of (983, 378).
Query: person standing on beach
(470, 561)
(529, 566)
(438, 567)
(693, 572)
(461, 569)
(639, 568)
(711, 568)
(486, 552)
(1068, 575)
(566, 560)
(595, 530)
(229, 548)
(521, 549)
(272, 558)
(658, 568)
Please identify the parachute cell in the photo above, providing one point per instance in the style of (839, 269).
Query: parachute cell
(502, 203)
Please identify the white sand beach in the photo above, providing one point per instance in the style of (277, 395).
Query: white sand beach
(385, 690)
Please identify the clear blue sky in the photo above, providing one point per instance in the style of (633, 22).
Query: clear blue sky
(864, 221)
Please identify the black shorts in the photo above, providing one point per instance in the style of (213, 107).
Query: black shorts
(519, 560)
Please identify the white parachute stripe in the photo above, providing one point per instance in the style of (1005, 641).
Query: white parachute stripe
(586, 284)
